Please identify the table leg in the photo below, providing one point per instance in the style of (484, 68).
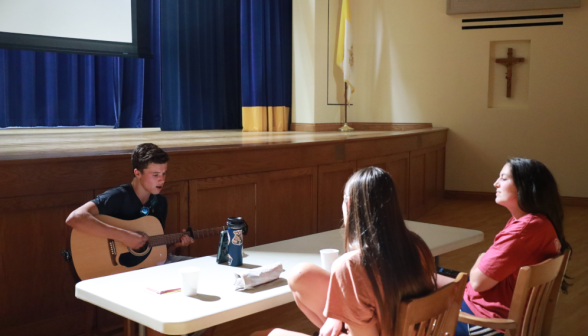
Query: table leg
(151, 332)
(91, 312)
(437, 263)
(130, 328)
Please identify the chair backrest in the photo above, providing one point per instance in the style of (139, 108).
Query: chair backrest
(535, 296)
(433, 315)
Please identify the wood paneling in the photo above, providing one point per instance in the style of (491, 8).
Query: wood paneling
(398, 168)
(213, 200)
(33, 177)
(430, 178)
(440, 181)
(417, 186)
(36, 283)
(64, 325)
(427, 180)
(331, 182)
(288, 207)
(177, 220)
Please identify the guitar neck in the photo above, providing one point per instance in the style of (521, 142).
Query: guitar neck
(173, 238)
(205, 233)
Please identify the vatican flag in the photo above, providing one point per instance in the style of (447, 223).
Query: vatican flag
(345, 48)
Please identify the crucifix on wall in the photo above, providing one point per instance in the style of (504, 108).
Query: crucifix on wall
(509, 62)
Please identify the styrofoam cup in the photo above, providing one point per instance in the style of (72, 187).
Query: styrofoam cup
(328, 257)
(190, 277)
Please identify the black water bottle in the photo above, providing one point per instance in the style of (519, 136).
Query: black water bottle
(236, 229)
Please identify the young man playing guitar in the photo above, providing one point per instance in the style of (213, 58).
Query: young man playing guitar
(131, 201)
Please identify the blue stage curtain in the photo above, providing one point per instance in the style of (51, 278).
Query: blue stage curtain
(200, 65)
(266, 64)
(54, 89)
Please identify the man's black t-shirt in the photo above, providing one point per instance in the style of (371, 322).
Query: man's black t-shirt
(122, 203)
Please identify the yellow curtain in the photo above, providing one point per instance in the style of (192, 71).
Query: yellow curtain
(265, 118)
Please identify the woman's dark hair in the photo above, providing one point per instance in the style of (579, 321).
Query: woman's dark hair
(537, 193)
(147, 153)
(398, 263)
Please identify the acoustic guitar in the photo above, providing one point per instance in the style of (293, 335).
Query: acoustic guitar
(95, 256)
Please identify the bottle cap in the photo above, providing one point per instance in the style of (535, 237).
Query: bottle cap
(237, 223)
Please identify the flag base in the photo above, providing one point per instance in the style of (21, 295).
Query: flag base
(346, 128)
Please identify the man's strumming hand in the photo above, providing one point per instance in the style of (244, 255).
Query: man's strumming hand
(135, 240)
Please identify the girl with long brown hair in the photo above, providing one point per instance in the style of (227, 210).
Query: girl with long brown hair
(533, 234)
(384, 264)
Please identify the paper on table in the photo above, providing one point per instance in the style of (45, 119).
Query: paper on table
(164, 287)
(246, 279)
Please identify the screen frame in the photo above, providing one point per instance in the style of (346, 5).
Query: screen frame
(139, 48)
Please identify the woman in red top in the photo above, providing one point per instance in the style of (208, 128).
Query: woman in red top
(534, 233)
(384, 263)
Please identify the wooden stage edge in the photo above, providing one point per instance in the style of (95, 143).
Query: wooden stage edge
(52, 143)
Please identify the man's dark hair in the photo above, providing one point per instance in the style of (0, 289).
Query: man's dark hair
(147, 153)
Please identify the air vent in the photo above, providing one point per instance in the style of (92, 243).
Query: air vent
(514, 21)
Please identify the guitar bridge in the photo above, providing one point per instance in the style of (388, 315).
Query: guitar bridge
(112, 249)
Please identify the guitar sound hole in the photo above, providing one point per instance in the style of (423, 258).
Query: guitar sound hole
(142, 249)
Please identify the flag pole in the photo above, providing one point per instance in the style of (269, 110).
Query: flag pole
(346, 128)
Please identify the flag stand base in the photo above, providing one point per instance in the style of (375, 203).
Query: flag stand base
(346, 128)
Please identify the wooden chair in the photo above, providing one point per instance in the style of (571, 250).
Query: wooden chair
(533, 303)
(432, 315)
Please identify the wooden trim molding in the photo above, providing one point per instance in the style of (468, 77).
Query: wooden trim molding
(574, 201)
(325, 127)
(488, 196)
(365, 126)
(359, 126)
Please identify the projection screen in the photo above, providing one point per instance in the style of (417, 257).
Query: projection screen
(103, 27)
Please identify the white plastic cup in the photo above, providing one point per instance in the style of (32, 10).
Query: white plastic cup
(190, 277)
(328, 257)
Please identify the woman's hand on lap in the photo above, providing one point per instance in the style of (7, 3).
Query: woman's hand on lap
(332, 327)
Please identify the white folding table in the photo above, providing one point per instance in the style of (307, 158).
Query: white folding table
(218, 302)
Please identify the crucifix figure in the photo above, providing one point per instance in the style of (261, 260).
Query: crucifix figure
(509, 62)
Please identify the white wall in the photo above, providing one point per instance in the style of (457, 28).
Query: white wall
(303, 61)
(310, 50)
(414, 63)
